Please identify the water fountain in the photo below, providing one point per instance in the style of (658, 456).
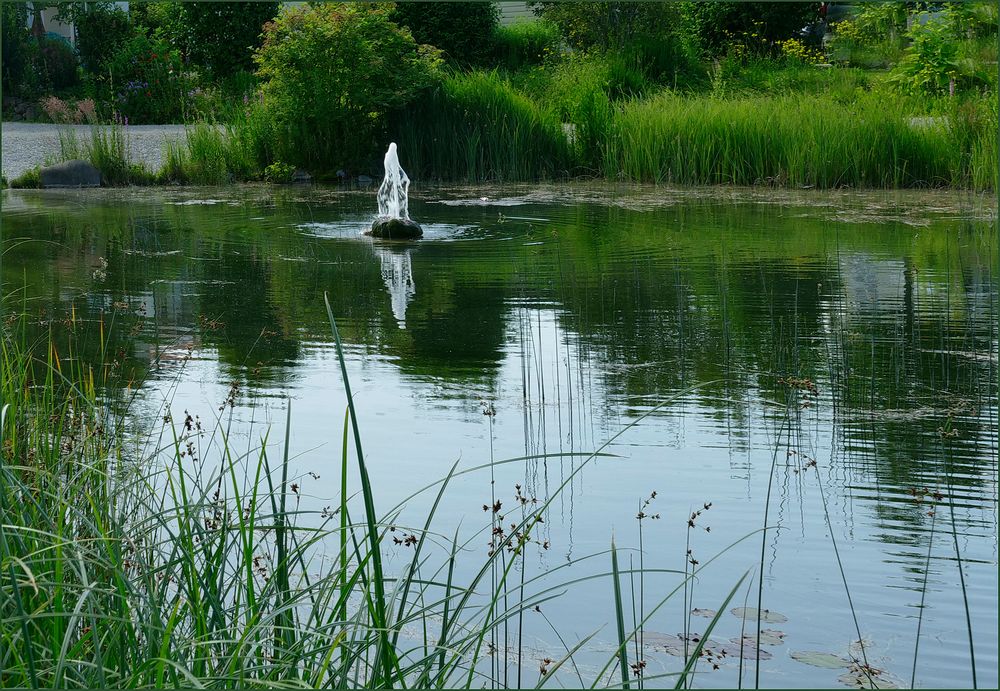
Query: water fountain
(393, 221)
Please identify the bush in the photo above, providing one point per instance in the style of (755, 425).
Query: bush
(146, 83)
(279, 173)
(101, 31)
(609, 25)
(30, 179)
(223, 36)
(525, 44)
(713, 25)
(13, 44)
(463, 31)
(333, 72)
(51, 65)
(930, 64)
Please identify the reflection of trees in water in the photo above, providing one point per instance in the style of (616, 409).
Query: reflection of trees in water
(897, 329)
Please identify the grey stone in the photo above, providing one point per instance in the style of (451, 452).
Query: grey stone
(75, 173)
(364, 180)
(395, 229)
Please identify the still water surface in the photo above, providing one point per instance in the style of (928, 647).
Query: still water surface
(573, 312)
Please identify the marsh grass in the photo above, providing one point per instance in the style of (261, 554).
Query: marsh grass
(477, 127)
(183, 558)
(109, 150)
(786, 140)
(29, 179)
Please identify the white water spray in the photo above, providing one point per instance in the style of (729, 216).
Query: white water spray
(392, 201)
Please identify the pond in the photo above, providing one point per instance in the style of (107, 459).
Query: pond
(826, 359)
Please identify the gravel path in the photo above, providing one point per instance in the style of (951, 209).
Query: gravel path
(26, 145)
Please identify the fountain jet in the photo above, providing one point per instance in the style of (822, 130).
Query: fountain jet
(393, 221)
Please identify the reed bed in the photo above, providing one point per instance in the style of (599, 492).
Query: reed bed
(787, 140)
(477, 127)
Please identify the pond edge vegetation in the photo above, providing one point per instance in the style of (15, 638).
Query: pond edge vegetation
(645, 94)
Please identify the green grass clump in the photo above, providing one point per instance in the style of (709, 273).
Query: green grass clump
(108, 150)
(477, 127)
(785, 140)
(217, 155)
(524, 44)
(29, 179)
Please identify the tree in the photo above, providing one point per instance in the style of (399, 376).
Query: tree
(223, 36)
(464, 31)
(609, 25)
(713, 24)
(332, 74)
(14, 43)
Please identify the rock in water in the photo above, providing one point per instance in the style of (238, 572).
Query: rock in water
(395, 229)
(75, 173)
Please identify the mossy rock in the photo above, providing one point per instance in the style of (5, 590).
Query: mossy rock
(395, 229)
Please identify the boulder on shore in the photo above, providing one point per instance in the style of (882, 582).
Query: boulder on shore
(75, 173)
(395, 229)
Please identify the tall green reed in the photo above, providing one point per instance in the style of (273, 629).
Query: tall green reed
(477, 127)
(189, 564)
(784, 140)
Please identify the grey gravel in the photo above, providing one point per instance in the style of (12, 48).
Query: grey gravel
(26, 145)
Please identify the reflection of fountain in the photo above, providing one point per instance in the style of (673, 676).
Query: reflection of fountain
(393, 204)
(397, 272)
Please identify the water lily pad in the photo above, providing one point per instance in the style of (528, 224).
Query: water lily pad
(707, 613)
(824, 660)
(857, 649)
(860, 680)
(751, 613)
(660, 639)
(672, 645)
(748, 651)
(767, 637)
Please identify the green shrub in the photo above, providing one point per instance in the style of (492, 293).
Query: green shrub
(609, 25)
(51, 65)
(29, 179)
(101, 30)
(463, 31)
(279, 173)
(332, 74)
(146, 83)
(223, 36)
(525, 44)
(931, 64)
(714, 25)
(13, 44)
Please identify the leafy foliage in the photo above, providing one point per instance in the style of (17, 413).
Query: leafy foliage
(463, 31)
(609, 25)
(223, 36)
(713, 24)
(13, 42)
(525, 44)
(52, 64)
(145, 82)
(930, 65)
(101, 31)
(333, 72)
